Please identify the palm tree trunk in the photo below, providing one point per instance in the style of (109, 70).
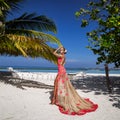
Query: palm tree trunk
(108, 82)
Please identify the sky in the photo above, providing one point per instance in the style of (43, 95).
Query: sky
(69, 32)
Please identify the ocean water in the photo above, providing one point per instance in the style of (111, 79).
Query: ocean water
(54, 70)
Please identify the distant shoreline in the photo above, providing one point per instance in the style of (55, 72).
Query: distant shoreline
(72, 68)
(49, 77)
(55, 69)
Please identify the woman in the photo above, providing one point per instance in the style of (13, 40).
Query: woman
(65, 95)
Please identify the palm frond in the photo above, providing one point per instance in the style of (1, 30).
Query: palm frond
(20, 49)
(34, 34)
(13, 4)
(3, 7)
(24, 36)
(20, 45)
(7, 6)
(33, 22)
(7, 47)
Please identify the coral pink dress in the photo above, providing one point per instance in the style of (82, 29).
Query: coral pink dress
(66, 97)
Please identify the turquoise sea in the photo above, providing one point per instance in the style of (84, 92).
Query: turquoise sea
(54, 69)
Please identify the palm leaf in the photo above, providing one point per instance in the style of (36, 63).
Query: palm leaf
(33, 22)
(13, 4)
(34, 34)
(20, 45)
(24, 35)
(3, 7)
(8, 6)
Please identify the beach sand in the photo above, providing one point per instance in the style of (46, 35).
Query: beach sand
(33, 103)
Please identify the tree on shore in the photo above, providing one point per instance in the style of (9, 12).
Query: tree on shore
(26, 35)
(105, 39)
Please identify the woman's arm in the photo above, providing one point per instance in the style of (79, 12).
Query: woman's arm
(55, 52)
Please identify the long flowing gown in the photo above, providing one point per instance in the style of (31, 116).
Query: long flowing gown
(66, 97)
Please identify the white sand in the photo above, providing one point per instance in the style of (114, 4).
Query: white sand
(33, 104)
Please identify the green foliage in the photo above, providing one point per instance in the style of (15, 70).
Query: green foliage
(26, 35)
(104, 40)
(25, 46)
(32, 22)
(84, 23)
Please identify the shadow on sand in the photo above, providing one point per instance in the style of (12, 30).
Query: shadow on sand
(86, 84)
(8, 78)
(99, 86)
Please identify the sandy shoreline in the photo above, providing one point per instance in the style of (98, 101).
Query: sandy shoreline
(32, 103)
